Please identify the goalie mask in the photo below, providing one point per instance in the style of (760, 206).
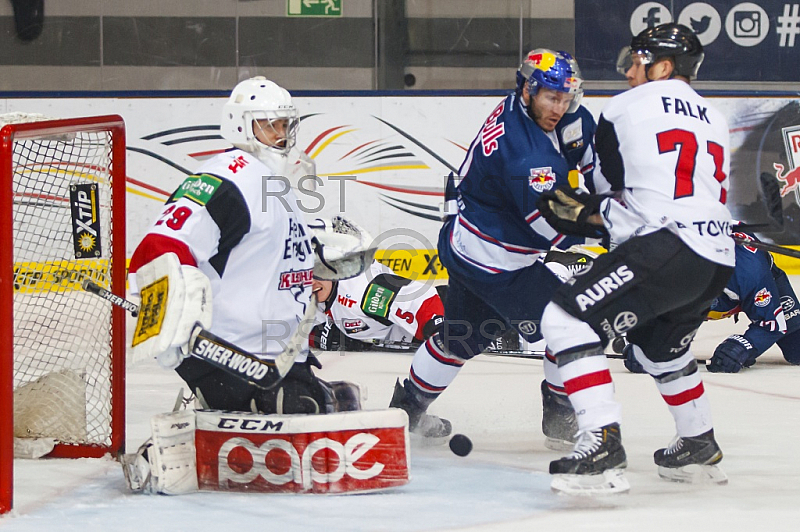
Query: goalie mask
(557, 71)
(261, 119)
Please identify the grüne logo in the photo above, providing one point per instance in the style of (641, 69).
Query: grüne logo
(303, 469)
(603, 287)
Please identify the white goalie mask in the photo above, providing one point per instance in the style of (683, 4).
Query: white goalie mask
(258, 103)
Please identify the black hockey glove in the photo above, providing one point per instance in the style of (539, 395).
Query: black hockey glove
(631, 364)
(735, 353)
(568, 210)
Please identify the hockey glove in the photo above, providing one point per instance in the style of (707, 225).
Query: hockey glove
(631, 364)
(735, 353)
(568, 210)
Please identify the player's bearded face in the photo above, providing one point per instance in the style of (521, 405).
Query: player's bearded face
(548, 106)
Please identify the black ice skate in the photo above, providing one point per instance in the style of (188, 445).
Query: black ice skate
(692, 460)
(595, 465)
(559, 424)
(419, 423)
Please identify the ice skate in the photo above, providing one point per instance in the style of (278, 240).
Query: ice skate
(136, 468)
(595, 465)
(559, 424)
(419, 423)
(691, 460)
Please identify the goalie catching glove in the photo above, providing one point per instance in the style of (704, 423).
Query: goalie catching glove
(342, 248)
(568, 211)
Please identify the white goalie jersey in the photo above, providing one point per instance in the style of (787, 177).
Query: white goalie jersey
(379, 305)
(665, 154)
(244, 231)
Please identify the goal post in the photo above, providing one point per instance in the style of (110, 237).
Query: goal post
(62, 351)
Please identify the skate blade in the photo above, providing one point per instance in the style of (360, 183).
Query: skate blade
(554, 444)
(609, 482)
(419, 440)
(694, 474)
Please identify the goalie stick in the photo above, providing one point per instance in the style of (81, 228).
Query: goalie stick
(263, 374)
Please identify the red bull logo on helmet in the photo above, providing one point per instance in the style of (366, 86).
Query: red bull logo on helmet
(762, 298)
(542, 179)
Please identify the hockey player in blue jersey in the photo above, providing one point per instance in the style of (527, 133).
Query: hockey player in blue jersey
(494, 241)
(763, 293)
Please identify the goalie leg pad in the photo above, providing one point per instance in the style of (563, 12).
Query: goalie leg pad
(172, 456)
(337, 453)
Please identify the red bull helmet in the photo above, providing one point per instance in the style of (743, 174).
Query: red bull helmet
(552, 70)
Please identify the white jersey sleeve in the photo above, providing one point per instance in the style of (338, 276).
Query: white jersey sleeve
(665, 152)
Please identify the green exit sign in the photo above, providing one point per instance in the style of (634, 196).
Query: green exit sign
(314, 8)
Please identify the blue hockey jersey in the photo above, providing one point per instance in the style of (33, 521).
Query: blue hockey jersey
(762, 291)
(496, 226)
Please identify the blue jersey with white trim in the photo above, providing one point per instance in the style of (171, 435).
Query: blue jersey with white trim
(762, 291)
(497, 227)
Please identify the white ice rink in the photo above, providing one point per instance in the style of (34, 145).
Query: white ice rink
(502, 485)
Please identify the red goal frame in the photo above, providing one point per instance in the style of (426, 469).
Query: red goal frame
(30, 130)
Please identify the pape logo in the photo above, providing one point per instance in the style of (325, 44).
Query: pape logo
(317, 462)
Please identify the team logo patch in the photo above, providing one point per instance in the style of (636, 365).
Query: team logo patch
(299, 278)
(542, 179)
(762, 298)
(377, 301)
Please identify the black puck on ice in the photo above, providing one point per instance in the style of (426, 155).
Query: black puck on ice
(460, 445)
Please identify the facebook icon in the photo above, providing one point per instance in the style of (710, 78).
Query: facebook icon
(652, 19)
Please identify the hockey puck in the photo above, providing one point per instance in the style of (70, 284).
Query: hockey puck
(618, 344)
(460, 445)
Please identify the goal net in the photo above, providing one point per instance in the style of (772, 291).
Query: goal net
(62, 350)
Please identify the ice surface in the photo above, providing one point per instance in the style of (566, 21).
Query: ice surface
(501, 486)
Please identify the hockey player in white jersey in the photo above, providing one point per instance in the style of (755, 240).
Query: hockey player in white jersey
(243, 231)
(663, 162)
(376, 306)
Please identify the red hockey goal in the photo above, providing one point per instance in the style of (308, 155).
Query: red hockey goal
(62, 350)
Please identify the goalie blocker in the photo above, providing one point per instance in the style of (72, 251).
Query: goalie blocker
(231, 451)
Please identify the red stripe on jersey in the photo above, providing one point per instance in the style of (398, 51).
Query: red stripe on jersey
(685, 396)
(424, 385)
(153, 245)
(583, 382)
(430, 307)
(440, 357)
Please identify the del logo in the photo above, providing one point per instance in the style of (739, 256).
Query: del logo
(354, 326)
(542, 179)
(492, 130)
(762, 298)
(299, 278)
(345, 301)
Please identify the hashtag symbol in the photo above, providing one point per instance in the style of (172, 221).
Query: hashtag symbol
(788, 25)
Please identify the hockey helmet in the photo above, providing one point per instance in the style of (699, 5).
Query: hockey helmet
(552, 70)
(673, 41)
(259, 99)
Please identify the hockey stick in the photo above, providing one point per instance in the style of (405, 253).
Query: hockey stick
(513, 353)
(773, 248)
(773, 203)
(263, 374)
